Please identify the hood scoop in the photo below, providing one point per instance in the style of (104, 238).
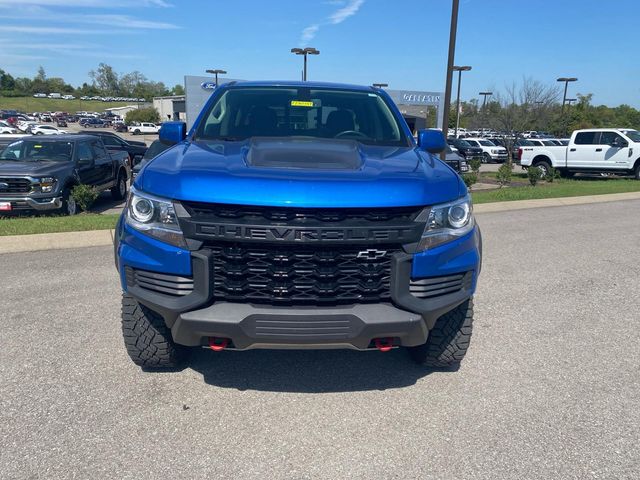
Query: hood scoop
(306, 154)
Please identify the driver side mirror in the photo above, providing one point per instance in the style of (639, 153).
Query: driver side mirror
(172, 132)
(431, 140)
(619, 143)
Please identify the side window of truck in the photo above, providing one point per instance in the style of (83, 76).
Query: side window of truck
(607, 138)
(99, 152)
(84, 152)
(586, 138)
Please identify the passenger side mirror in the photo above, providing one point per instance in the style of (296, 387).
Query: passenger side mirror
(172, 132)
(619, 143)
(431, 140)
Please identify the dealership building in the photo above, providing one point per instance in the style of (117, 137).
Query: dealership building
(419, 108)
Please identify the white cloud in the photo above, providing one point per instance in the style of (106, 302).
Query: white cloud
(85, 3)
(350, 9)
(308, 33)
(57, 30)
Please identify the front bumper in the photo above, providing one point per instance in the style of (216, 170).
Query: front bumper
(196, 317)
(29, 203)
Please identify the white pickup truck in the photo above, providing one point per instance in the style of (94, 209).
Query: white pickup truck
(601, 150)
(144, 127)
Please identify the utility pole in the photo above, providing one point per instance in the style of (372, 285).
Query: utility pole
(452, 52)
(465, 68)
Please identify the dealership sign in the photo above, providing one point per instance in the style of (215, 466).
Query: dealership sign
(412, 97)
(208, 85)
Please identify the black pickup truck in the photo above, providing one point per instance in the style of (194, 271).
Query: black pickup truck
(38, 173)
(113, 142)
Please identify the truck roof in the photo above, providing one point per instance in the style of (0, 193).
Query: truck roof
(289, 83)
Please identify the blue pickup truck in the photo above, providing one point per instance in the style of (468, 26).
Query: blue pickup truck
(297, 215)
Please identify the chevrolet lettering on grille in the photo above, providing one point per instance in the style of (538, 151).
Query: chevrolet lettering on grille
(291, 234)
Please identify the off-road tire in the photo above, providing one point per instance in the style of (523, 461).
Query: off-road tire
(448, 341)
(119, 190)
(147, 339)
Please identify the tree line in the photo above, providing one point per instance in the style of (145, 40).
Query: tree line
(532, 105)
(105, 82)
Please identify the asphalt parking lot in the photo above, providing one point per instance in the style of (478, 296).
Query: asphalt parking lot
(549, 388)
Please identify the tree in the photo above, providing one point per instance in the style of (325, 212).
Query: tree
(142, 115)
(41, 75)
(178, 90)
(7, 82)
(522, 108)
(130, 81)
(105, 79)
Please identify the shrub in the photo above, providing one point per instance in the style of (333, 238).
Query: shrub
(142, 115)
(474, 164)
(551, 175)
(85, 196)
(534, 175)
(469, 179)
(504, 174)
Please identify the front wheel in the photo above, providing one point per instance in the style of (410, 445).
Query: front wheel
(448, 340)
(636, 173)
(136, 132)
(119, 191)
(147, 338)
(69, 205)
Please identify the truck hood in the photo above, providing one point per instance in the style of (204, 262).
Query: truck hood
(303, 173)
(41, 168)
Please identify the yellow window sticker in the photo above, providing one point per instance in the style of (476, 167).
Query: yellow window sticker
(301, 103)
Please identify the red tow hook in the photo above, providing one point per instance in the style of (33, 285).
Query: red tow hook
(218, 344)
(383, 344)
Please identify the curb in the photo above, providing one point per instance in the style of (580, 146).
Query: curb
(55, 241)
(101, 238)
(553, 202)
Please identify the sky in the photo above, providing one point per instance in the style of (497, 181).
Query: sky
(401, 43)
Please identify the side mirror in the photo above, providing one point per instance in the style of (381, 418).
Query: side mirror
(431, 140)
(172, 132)
(619, 143)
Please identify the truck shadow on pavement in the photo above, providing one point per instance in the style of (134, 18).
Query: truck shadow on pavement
(311, 371)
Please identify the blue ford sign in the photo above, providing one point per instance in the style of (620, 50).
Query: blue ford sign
(208, 85)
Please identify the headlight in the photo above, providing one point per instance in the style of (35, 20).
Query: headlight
(47, 184)
(155, 217)
(446, 222)
(495, 151)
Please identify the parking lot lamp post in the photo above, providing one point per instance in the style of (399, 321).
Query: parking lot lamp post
(464, 68)
(566, 81)
(304, 52)
(216, 72)
(452, 52)
(484, 100)
(380, 85)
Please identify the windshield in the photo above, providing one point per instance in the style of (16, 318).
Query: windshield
(633, 135)
(245, 112)
(34, 151)
(487, 143)
(462, 144)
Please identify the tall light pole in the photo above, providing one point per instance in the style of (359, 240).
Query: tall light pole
(452, 52)
(464, 68)
(216, 72)
(570, 101)
(305, 51)
(566, 81)
(380, 85)
(484, 100)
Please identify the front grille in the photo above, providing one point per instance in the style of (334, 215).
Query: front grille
(158, 282)
(291, 275)
(15, 185)
(437, 286)
(228, 213)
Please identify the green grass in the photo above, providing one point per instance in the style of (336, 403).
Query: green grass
(50, 224)
(30, 104)
(557, 189)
